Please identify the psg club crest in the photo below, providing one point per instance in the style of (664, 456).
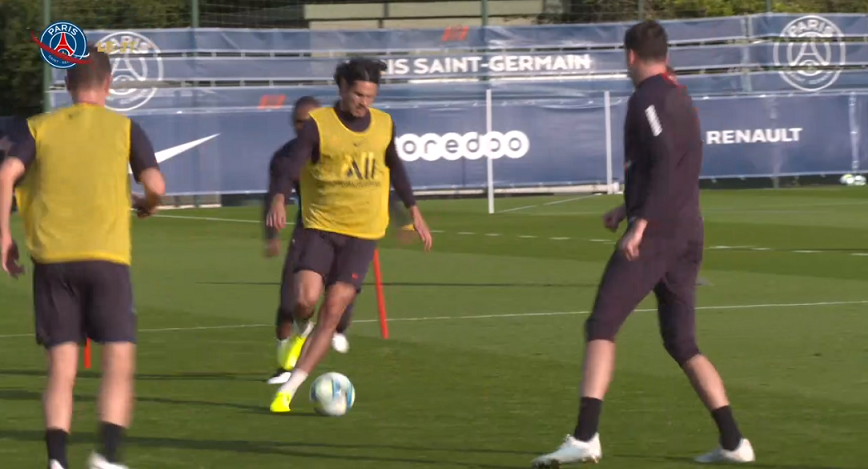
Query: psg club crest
(63, 45)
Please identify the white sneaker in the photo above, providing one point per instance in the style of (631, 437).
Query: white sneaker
(96, 461)
(280, 376)
(572, 451)
(340, 343)
(742, 454)
(55, 465)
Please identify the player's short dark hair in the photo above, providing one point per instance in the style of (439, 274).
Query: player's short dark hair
(301, 102)
(304, 101)
(648, 40)
(91, 74)
(360, 69)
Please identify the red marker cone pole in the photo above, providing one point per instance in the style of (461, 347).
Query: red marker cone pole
(87, 355)
(381, 299)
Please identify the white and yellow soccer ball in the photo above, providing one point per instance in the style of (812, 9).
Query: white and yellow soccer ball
(851, 180)
(332, 394)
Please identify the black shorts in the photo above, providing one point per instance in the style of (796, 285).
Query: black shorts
(287, 286)
(668, 267)
(338, 258)
(74, 301)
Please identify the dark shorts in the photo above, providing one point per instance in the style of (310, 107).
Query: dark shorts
(338, 258)
(668, 267)
(287, 287)
(74, 301)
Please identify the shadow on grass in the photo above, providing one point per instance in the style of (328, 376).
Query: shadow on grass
(22, 395)
(438, 284)
(689, 461)
(195, 376)
(321, 451)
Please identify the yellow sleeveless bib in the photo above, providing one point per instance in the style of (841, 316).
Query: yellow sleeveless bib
(347, 190)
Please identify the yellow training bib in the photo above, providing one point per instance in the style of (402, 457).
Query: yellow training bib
(347, 190)
(75, 197)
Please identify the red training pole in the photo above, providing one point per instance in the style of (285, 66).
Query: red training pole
(87, 355)
(381, 299)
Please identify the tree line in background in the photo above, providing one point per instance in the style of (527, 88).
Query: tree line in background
(21, 67)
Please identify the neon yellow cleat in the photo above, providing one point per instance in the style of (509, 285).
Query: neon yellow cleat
(408, 227)
(280, 404)
(289, 351)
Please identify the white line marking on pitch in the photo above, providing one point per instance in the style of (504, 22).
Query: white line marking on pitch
(554, 202)
(230, 220)
(467, 233)
(498, 316)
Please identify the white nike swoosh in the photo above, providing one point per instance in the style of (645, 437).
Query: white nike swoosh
(169, 153)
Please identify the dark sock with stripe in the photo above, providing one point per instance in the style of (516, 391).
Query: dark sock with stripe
(111, 441)
(589, 418)
(730, 436)
(55, 440)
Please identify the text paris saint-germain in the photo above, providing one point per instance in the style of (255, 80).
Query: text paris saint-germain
(490, 63)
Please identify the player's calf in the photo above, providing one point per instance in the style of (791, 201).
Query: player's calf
(338, 297)
(116, 398)
(58, 400)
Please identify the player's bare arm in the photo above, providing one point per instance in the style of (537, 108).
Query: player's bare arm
(11, 170)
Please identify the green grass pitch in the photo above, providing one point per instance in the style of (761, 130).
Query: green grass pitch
(482, 368)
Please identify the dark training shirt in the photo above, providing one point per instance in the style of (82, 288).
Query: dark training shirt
(662, 156)
(307, 149)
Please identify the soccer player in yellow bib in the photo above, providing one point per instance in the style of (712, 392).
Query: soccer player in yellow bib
(345, 158)
(74, 196)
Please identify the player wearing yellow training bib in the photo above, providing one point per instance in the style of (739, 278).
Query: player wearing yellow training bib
(344, 158)
(72, 170)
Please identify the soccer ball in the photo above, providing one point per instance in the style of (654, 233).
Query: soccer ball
(851, 180)
(332, 394)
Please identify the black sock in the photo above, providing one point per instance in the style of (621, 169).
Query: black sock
(111, 441)
(589, 418)
(55, 440)
(730, 437)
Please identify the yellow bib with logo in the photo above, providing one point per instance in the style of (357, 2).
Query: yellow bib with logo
(75, 197)
(347, 190)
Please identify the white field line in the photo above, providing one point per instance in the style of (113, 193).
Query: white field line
(555, 202)
(498, 316)
(561, 238)
(761, 209)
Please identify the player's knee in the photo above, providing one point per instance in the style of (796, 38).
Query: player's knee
(681, 348)
(306, 301)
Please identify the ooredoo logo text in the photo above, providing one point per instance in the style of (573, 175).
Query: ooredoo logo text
(453, 146)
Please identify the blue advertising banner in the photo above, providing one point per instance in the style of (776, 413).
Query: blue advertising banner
(828, 26)
(753, 136)
(286, 41)
(804, 56)
(533, 143)
(706, 30)
(159, 100)
(174, 69)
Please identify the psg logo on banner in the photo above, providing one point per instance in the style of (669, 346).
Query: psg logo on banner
(63, 45)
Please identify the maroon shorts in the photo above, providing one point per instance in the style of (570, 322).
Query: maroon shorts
(74, 301)
(338, 258)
